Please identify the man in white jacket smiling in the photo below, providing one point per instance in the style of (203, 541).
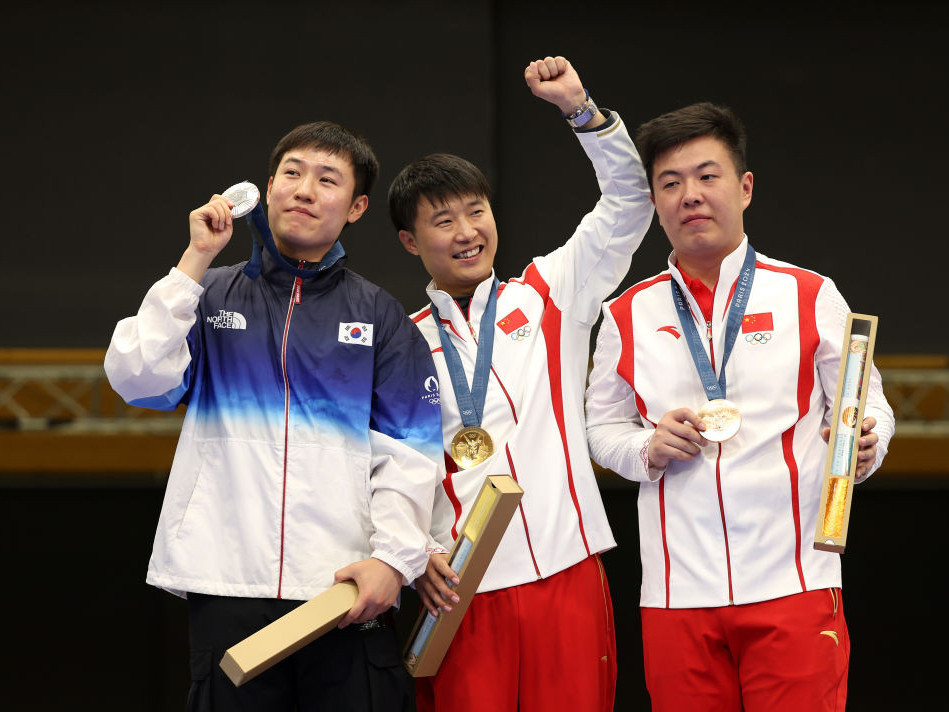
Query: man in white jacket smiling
(539, 633)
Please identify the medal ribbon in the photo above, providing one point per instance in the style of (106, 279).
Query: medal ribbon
(715, 387)
(258, 224)
(471, 402)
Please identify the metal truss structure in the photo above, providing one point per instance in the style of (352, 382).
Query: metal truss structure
(47, 394)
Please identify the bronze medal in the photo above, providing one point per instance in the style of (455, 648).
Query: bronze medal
(722, 420)
(471, 446)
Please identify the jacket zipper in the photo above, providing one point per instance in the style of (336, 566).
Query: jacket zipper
(296, 297)
(718, 480)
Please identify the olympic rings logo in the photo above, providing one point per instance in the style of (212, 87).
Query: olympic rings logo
(521, 333)
(759, 338)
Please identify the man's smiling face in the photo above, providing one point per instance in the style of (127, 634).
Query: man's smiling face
(456, 239)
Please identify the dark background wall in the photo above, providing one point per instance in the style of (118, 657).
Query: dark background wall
(118, 120)
(82, 630)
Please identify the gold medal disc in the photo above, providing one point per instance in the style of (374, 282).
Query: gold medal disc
(722, 420)
(471, 446)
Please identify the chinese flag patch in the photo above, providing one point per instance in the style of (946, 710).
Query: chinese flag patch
(512, 321)
(757, 322)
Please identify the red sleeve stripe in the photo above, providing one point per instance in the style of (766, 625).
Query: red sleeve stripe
(551, 328)
(622, 311)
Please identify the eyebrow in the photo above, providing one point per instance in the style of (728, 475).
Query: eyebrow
(700, 167)
(301, 162)
(444, 211)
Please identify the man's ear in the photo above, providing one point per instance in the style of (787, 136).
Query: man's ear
(357, 209)
(747, 183)
(408, 241)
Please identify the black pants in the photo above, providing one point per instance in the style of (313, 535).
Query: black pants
(348, 670)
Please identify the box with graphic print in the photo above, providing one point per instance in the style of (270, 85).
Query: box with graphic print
(845, 428)
(472, 552)
(289, 633)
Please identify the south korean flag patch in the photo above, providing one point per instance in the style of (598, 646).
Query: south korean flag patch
(355, 332)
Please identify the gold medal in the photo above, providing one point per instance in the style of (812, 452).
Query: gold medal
(471, 446)
(722, 420)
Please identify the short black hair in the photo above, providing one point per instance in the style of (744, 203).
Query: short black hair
(673, 129)
(437, 177)
(336, 140)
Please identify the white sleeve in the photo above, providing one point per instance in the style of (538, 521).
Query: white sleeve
(149, 355)
(400, 506)
(619, 440)
(405, 436)
(585, 271)
(831, 314)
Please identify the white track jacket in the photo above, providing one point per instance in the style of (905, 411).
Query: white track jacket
(534, 404)
(736, 524)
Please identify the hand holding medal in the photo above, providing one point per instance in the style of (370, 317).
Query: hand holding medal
(244, 198)
(212, 226)
(722, 420)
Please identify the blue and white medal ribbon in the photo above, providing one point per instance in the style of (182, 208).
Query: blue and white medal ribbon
(722, 417)
(471, 445)
(246, 199)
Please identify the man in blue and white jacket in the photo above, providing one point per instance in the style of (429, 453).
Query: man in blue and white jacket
(312, 441)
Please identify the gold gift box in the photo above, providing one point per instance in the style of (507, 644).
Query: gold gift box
(470, 555)
(845, 430)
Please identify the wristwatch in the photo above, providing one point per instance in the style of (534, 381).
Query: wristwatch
(583, 113)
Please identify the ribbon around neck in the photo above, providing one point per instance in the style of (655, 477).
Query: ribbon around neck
(715, 387)
(260, 233)
(471, 401)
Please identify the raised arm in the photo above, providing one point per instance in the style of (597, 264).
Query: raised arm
(585, 271)
(555, 80)
(149, 358)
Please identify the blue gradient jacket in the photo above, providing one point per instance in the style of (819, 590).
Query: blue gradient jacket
(312, 437)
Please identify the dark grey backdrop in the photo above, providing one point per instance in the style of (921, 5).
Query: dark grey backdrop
(118, 120)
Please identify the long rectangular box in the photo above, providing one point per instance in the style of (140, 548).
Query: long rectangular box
(845, 429)
(289, 633)
(472, 552)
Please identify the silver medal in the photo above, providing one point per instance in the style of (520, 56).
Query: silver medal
(245, 197)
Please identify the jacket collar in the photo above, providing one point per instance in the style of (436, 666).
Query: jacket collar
(448, 307)
(727, 275)
(326, 272)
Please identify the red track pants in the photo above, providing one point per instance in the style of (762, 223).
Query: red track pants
(785, 655)
(545, 645)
